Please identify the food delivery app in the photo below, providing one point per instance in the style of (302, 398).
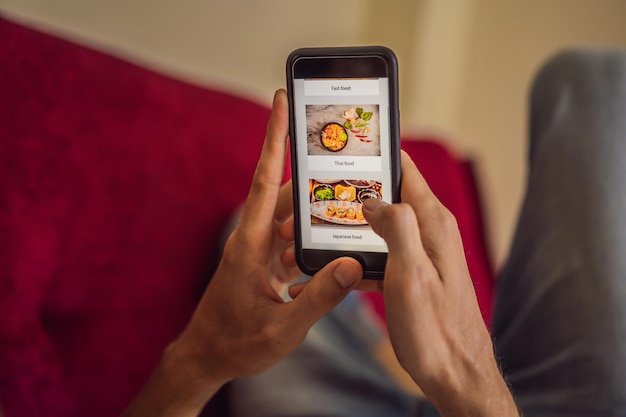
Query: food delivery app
(343, 146)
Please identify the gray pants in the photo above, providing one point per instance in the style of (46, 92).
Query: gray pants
(559, 323)
(560, 318)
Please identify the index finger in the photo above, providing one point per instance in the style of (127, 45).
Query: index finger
(438, 228)
(398, 226)
(263, 196)
(284, 207)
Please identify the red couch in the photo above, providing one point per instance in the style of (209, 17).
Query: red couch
(115, 183)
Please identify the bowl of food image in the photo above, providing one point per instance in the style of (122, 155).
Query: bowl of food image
(334, 137)
(367, 194)
(323, 192)
(360, 183)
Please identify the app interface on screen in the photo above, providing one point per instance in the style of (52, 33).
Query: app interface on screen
(342, 133)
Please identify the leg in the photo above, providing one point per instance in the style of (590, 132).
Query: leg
(334, 373)
(560, 316)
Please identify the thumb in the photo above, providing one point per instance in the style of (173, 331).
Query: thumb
(326, 289)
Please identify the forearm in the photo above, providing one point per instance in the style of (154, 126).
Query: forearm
(175, 389)
(473, 388)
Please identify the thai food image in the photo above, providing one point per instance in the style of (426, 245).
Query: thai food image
(357, 121)
(346, 129)
(334, 137)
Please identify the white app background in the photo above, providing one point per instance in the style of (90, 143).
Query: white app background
(342, 134)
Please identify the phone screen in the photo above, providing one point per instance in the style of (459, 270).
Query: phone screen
(344, 147)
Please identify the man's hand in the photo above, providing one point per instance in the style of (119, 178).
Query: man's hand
(242, 326)
(432, 313)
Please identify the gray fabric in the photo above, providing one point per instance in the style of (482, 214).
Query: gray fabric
(560, 317)
(333, 373)
(559, 323)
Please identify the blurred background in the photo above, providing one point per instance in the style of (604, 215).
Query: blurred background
(465, 65)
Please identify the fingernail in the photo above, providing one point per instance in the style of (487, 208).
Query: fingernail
(276, 94)
(373, 204)
(346, 274)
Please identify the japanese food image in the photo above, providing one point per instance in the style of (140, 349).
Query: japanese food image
(334, 137)
(340, 201)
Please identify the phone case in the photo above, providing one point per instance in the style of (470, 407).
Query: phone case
(311, 260)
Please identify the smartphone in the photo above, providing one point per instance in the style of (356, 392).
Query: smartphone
(345, 148)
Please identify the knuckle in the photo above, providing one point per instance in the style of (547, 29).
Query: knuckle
(424, 272)
(323, 296)
(231, 248)
(244, 241)
(236, 245)
(443, 218)
(262, 179)
(273, 340)
(269, 333)
(398, 216)
(448, 220)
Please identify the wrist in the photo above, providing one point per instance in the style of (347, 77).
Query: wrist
(471, 386)
(178, 387)
(185, 365)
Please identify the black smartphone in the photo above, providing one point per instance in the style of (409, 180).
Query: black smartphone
(345, 148)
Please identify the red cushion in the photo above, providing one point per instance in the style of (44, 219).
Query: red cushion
(115, 183)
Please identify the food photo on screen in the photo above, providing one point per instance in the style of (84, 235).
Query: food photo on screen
(340, 202)
(351, 130)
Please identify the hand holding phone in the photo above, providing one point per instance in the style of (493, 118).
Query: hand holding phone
(345, 147)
